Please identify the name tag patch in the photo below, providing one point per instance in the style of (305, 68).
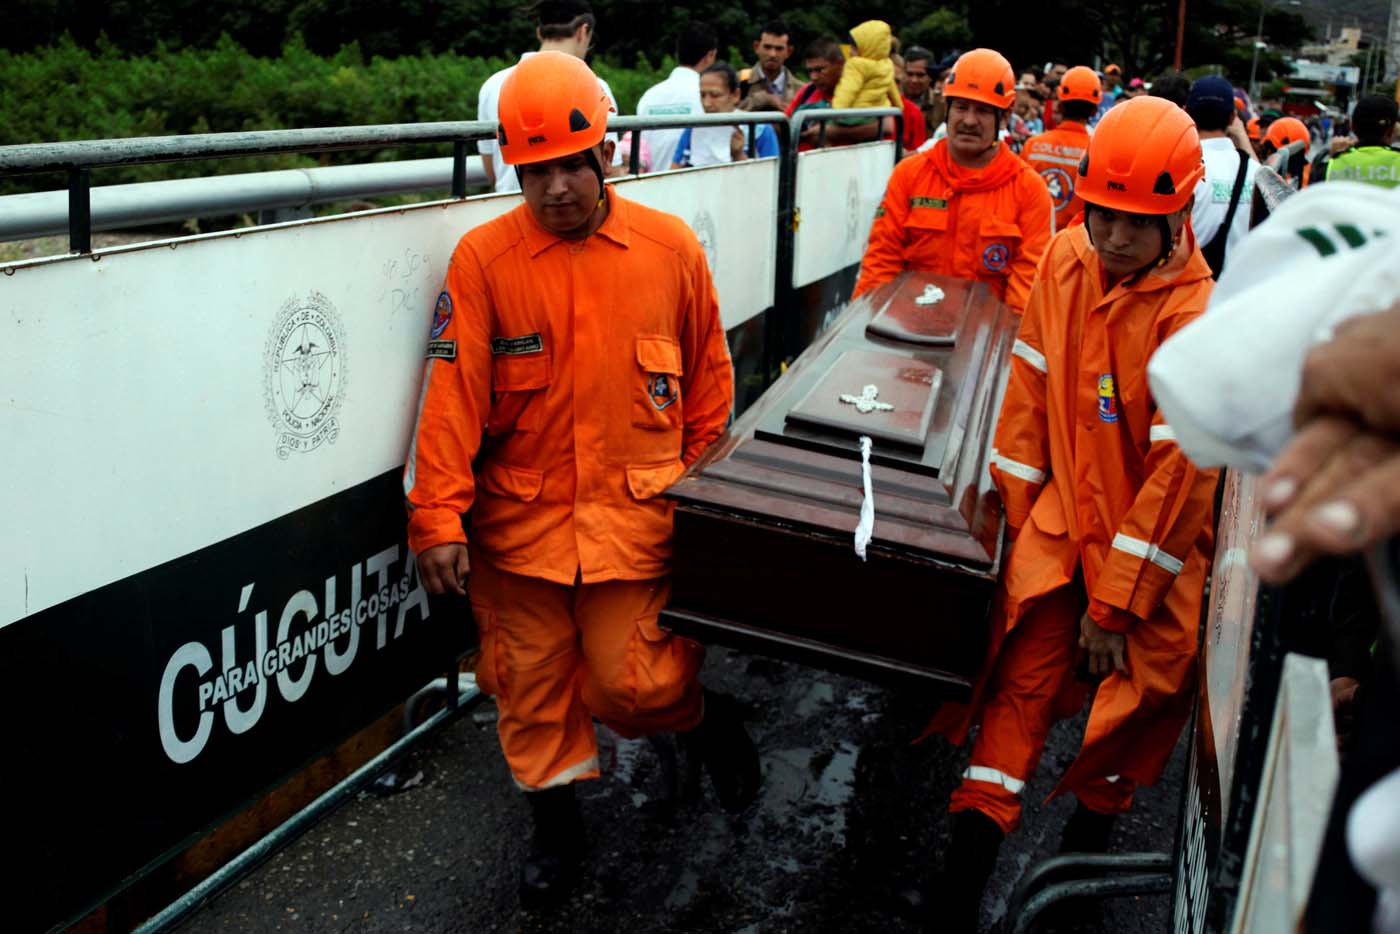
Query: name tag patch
(939, 204)
(526, 343)
(442, 350)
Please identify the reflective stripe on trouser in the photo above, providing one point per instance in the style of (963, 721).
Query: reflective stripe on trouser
(554, 657)
(1033, 668)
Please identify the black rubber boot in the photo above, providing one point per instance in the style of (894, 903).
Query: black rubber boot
(1087, 831)
(556, 848)
(722, 744)
(952, 902)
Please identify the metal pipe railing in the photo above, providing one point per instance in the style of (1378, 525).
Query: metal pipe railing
(294, 826)
(113, 207)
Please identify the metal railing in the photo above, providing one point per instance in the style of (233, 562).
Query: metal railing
(114, 207)
(79, 158)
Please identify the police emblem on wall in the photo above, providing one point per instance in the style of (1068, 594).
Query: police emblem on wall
(852, 211)
(304, 374)
(704, 227)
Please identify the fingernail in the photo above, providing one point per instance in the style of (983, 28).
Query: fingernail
(1273, 549)
(1280, 492)
(1339, 517)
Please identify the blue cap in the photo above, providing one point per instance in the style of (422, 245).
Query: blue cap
(1211, 95)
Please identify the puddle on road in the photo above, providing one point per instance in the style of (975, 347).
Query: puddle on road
(815, 800)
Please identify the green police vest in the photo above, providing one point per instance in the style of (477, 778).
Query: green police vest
(1374, 165)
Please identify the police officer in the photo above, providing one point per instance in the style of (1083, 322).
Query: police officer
(1371, 160)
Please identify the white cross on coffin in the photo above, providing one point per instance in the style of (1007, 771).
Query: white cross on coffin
(932, 295)
(865, 402)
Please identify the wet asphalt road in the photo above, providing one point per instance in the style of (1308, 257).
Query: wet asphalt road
(848, 805)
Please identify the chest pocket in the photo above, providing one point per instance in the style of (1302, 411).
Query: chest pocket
(517, 391)
(926, 221)
(656, 393)
(998, 242)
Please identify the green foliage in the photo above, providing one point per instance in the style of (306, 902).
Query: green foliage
(68, 93)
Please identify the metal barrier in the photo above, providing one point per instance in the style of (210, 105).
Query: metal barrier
(245, 695)
(79, 158)
(114, 207)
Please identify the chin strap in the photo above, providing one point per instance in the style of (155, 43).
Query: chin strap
(598, 171)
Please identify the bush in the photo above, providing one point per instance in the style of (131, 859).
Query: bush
(66, 92)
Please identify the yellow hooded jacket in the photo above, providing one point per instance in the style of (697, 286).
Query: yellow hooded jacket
(868, 78)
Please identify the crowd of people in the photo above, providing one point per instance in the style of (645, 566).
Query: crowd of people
(1101, 210)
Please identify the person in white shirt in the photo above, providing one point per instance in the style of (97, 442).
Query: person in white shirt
(680, 92)
(1227, 189)
(564, 26)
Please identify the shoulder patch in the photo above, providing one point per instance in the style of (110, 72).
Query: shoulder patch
(442, 313)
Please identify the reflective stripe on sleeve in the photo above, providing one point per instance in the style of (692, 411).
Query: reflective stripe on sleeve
(1141, 549)
(1017, 469)
(982, 773)
(1029, 354)
(1161, 433)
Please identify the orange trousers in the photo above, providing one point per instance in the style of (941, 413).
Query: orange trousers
(556, 656)
(1033, 674)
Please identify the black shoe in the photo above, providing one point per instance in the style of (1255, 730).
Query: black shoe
(952, 902)
(1087, 831)
(728, 754)
(556, 849)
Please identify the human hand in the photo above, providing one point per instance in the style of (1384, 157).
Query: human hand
(444, 569)
(1344, 707)
(1341, 144)
(1106, 650)
(1239, 135)
(736, 145)
(1354, 374)
(1335, 489)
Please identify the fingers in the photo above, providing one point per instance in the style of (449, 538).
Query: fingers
(1120, 656)
(444, 568)
(1303, 458)
(1352, 514)
(1353, 374)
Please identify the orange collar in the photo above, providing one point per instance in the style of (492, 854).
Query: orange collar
(615, 226)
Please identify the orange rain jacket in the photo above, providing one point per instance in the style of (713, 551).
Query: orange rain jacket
(1092, 479)
(1055, 155)
(990, 224)
(568, 384)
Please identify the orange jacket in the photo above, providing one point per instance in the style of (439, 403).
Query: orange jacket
(1055, 155)
(1094, 484)
(990, 224)
(1080, 446)
(568, 383)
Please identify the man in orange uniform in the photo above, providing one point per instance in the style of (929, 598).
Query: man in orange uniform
(576, 365)
(966, 207)
(1111, 525)
(1055, 154)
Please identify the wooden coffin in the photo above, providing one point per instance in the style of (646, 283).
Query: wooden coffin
(764, 544)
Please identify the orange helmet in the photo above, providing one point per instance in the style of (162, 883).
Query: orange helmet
(551, 105)
(1144, 158)
(1081, 83)
(982, 75)
(1286, 130)
(1252, 128)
